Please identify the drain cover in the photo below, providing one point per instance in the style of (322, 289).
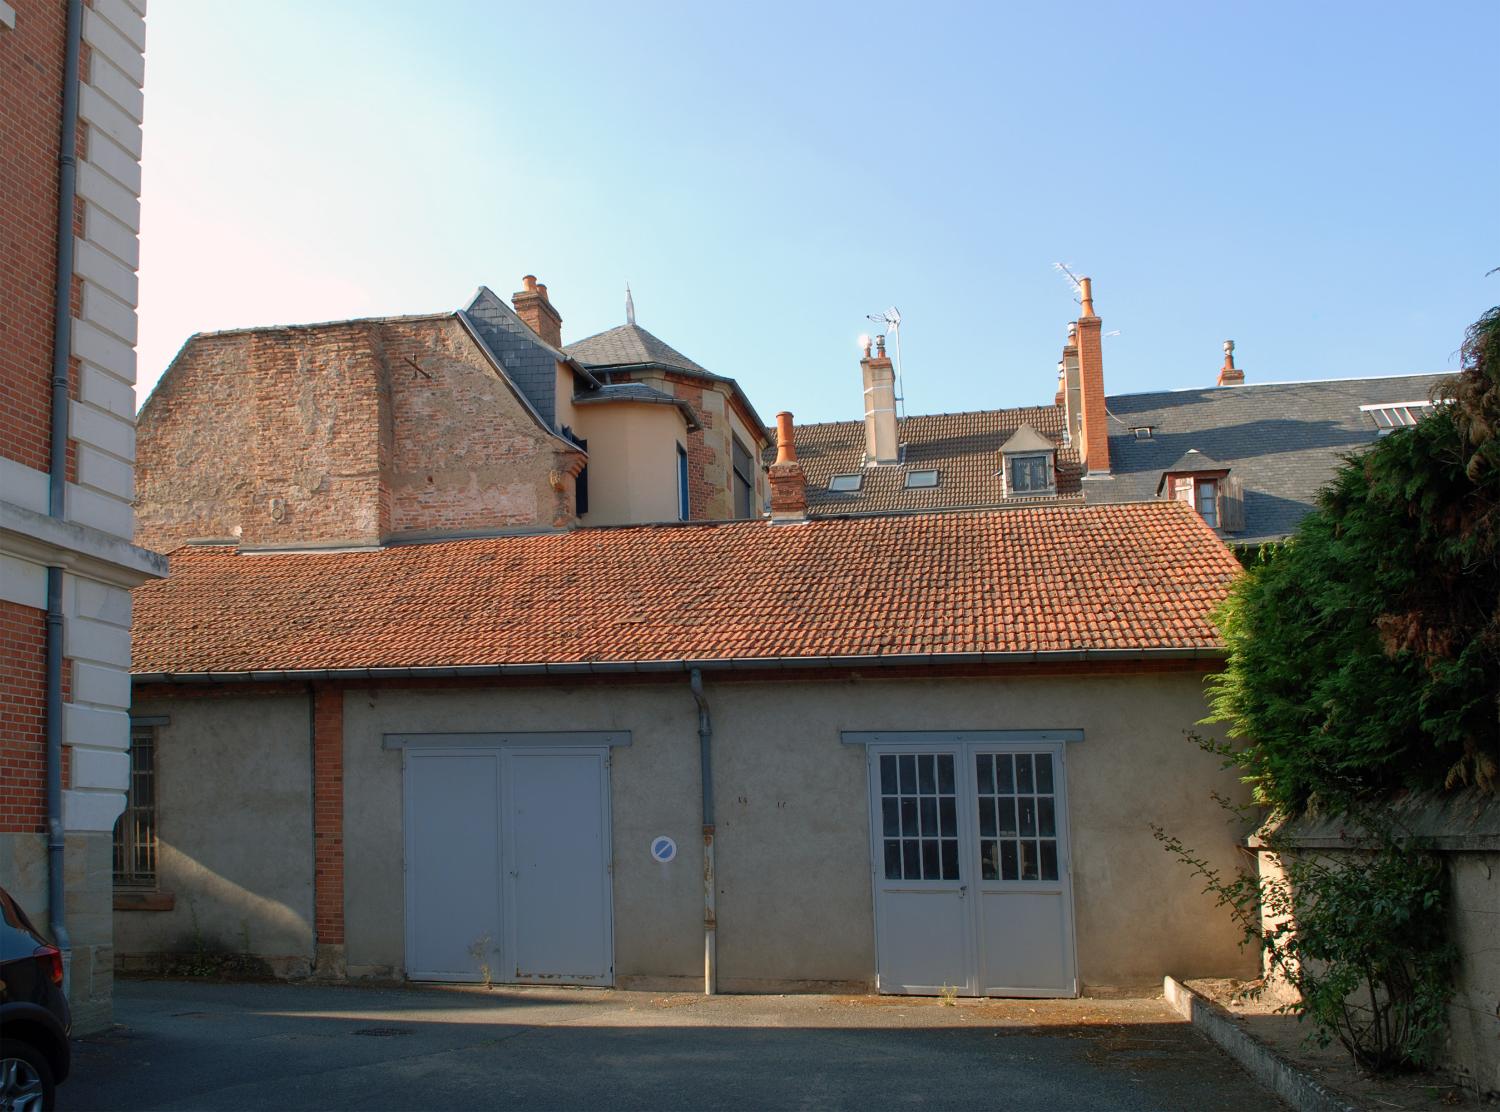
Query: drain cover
(383, 1032)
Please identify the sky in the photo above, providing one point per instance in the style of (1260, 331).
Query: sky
(1316, 182)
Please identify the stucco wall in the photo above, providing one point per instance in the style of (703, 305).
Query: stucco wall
(794, 897)
(632, 462)
(234, 829)
(794, 894)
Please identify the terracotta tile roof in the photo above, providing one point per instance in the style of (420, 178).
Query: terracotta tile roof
(963, 447)
(1032, 579)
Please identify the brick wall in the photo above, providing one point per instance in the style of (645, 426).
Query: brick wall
(348, 432)
(23, 718)
(31, 57)
(702, 457)
(328, 815)
(23, 695)
(466, 454)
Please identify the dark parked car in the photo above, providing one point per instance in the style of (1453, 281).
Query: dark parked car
(34, 1016)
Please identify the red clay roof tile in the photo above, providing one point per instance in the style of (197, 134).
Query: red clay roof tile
(1031, 579)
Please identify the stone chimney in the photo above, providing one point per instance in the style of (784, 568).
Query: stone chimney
(1093, 432)
(788, 483)
(881, 441)
(533, 307)
(1067, 386)
(1229, 374)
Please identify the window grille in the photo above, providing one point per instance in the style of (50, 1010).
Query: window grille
(135, 829)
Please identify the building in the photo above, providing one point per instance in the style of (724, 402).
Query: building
(403, 429)
(1250, 457)
(71, 178)
(907, 752)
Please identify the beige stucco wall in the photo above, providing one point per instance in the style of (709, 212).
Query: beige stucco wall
(794, 894)
(234, 830)
(794, 903)
(632, 462)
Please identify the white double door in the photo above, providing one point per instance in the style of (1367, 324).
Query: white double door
(507, 865)
(970, 869)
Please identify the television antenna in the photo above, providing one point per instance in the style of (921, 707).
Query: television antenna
(891, 318)
(1072, 279)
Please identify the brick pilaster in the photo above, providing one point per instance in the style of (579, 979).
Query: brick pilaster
(328, 815)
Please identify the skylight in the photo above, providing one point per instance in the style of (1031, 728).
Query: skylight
(845, 483)
(921, 479)
(1389, 416)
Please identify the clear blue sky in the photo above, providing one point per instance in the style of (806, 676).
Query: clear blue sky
(1315, 181)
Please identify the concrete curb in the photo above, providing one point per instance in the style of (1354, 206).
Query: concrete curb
(1264, 1064)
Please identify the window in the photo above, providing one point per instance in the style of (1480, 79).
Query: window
(918, 479)
(1143, 432)
(1029, 474)
(744, 481)
(684, 503)
(1017, 816)
(919, 816)
(845, 484)
(1206, 498)
(135, 829)
(1389, 417)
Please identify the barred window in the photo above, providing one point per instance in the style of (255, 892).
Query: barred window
(135, 829)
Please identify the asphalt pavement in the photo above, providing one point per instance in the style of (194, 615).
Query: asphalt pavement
(197, 1045)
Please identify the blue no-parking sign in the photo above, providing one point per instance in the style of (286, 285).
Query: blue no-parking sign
(663, 848)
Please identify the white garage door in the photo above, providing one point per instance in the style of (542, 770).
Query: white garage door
(507, 865)
(970, 867)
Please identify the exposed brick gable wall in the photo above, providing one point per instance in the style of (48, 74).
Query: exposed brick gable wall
(467, 455)
(347, 432)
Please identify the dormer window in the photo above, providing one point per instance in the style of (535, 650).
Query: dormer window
(1029, 474)
(1206, 485)
(1029, 464)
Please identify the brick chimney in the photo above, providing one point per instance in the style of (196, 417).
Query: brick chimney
(788, 483)
(1229, 374)
(533, 307)
(1093, 438)
(881, 440)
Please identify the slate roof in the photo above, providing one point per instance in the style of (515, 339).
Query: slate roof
(638, 392)
(529, 360)
(1034, 579)
(630, 345)
(1281, 440)
(963, 447)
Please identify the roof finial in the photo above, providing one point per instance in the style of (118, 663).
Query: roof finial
(629, 305)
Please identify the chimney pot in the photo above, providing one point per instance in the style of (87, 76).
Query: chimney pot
(786, 441)
(788, 481)
(880, 346)
(1229, 374)
(534, 307)
(1086, 294)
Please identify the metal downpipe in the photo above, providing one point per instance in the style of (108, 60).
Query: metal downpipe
(57, 467)
(706, 771)
(56, 842)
